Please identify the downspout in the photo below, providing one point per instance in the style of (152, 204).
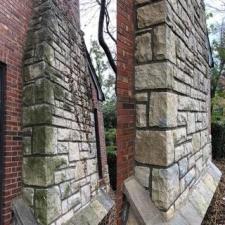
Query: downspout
(2, 123)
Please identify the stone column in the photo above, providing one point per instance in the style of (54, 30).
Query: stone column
(173, 145)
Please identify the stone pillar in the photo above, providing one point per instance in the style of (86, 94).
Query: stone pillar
(172, 82)
(60, 174)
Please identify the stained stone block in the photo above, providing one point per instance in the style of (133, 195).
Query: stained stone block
(164, 43)
(163, 109)
(44, 91)
(165, 186)
(141, 120)
(34, 71)
(154, 147)
(28, 95)
(44, 140)
(151, 14)
(85, 194)
(143, 51)
(47, 205)
(155, 75)
(39, 171)
(39, 114)
(26, 145)
(28, 196)
(143, 175)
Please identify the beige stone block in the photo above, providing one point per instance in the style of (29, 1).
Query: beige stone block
(154, 75)
(165, 186)
(154, 147)
(164, 43)
(141, 120)
(143, 51)
(196, 142)
(143, 175)
(151, 14)
(180, 135)
(141, 97)
(163, 109)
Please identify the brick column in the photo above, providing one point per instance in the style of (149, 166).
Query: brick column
(125, 97)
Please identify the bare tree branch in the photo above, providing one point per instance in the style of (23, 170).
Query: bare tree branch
(101, 36)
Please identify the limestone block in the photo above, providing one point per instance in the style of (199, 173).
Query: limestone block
(65, 175)
(143, 175)
(151, 14)
(47, 205)
(154, 147)
(196, 141)
(28, 95)
(64, 134)
(180, 152)
(44, 140)
(74, 152)
(141, 120)
(164, 43)
(191, 123)
(163, 109)
(181, 118)
(27, 145)
(28, 196)
(189, 177)
(80, 170)
(140, 97)
(44, 92)
(63, 147)
(91, 166)
(180, 135)
(183, 166)
(154, 75)
(39, 114)
(143, 51)
(39, 171)
(165, 186)
(74, 200)
(34, 71)
(85, 194)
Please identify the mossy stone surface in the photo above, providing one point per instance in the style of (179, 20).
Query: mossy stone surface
(39, 171)
(47, 205)
(35, 115)
(44, 140)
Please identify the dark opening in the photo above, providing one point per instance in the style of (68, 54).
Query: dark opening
(98, 144)
(2, 88)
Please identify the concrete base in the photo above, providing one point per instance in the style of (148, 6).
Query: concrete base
(95, 212)
(143, 211)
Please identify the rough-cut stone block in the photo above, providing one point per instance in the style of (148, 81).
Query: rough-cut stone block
(40, 114)
(28, 196)
(155, 75)
(151, 14)
(43, 168)
(180, 135)
(143, 51)
(183, 166)
(154, 147)
(27, 145)
(34, 71)
(44, 140)
(191, 123)
(163, 109)
(141, 120)
(47, 205)
(143, 175)
(196, 142)
(164, 43)
(165, 186)
(74, 152)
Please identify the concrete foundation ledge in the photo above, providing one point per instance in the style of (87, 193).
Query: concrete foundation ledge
(95, 212)
(143, 211)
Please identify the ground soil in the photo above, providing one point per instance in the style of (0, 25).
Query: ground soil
(216, 212)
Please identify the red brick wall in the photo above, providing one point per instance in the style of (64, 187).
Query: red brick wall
(125, 97)
(14, 18)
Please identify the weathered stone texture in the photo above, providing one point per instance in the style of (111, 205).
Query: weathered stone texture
(60, 168)
(175, 86)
